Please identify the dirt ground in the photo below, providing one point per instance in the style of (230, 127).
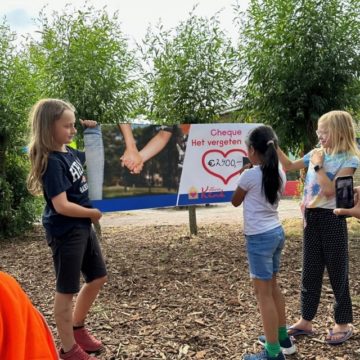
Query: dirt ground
(175, 296)
(215, 213)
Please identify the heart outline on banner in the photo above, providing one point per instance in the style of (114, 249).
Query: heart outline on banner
(224, 154)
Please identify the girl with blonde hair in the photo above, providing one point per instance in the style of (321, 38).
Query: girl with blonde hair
(57, 171)
(325, 233)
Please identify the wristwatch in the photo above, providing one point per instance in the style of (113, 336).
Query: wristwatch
(317, 168)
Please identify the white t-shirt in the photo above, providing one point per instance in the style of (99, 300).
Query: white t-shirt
(259, 215)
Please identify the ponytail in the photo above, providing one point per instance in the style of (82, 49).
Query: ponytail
(264, 140)
(271, 181)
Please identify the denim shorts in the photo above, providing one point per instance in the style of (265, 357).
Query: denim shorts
(264, 252)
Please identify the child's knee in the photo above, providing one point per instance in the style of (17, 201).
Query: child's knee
(263, 289)
(63, 306)
(99, 282)
(104, 280)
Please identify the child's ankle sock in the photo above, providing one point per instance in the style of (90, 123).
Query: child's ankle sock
(283, 334)
(273, 349)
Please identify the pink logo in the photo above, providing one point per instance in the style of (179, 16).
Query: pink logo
(224, 165)
(211, 192)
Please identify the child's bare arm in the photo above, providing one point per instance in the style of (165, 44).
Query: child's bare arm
(326, 184)
(238, 197)
(65, 207)
(288, 164)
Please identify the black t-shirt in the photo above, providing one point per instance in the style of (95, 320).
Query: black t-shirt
(65, 172)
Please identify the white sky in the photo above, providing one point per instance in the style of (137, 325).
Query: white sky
(135, 15)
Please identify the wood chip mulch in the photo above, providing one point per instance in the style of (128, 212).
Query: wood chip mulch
(175, 296)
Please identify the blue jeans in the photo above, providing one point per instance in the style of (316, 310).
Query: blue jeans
(264, 252)
(94, 151)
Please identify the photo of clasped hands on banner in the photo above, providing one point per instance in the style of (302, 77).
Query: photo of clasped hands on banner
(134, 159)
(118, 159)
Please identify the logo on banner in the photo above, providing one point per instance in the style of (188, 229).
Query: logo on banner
(193, 193)
(212, 192)
(223, 165)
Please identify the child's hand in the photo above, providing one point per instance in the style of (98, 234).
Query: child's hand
(355, 211)
(317, 157)
(88, 123)
(95, 215)
(245, 167)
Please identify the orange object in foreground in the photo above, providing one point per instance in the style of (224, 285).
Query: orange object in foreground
(24, 333)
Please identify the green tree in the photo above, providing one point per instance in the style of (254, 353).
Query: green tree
(83, 57)
(18, 91)
(190, 74)
(190, 71)
(301, 60)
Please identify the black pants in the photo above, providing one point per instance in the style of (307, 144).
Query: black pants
(325, 245)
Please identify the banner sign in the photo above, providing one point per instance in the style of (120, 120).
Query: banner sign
(174, 165)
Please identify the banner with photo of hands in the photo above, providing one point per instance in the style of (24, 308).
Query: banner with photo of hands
(137, 166)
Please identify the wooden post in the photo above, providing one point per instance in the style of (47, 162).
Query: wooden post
(192, 220)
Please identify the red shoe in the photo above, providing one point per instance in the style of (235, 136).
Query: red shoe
(76, 353)
(87, 341)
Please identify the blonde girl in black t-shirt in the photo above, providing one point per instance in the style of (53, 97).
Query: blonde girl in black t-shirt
(57, 171)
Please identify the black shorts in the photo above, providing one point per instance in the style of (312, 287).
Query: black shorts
(78, 251)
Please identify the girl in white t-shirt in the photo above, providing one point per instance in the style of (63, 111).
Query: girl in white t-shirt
(259, 188)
